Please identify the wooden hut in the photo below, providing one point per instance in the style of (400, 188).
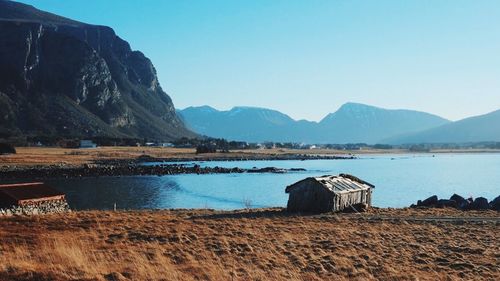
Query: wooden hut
(328, 193)
(22, 194)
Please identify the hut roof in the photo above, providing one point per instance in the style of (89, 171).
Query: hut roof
(337, 184)
(23, 193)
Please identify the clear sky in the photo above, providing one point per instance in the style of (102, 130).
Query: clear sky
(306, 58)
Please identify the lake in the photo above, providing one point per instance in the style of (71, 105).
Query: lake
(400, 180)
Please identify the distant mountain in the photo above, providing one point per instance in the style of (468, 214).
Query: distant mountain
(352, 123)
(240, 123)
(481, 128)
(60, 77)
(355, 122)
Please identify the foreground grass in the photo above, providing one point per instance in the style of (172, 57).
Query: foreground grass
(251, 245)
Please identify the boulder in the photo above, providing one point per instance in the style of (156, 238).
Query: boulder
(267, 170)
(495, 204)
(460, 202)
(442, 203)
(480, 203)
(470, 200)
(429, 202)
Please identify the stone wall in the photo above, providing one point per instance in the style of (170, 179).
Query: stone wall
(46, 207)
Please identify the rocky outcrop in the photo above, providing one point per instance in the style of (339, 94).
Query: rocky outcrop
(62, 77)
(459, 202)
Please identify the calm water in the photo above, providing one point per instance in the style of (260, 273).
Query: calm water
(399, 179)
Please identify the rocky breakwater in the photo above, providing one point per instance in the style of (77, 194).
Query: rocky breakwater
(94, 170)
(234, 157)
(46, 207)
(459, 202)
(273, 170)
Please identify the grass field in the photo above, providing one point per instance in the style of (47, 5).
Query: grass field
(29, 156)
(402, 244)
(54, 156)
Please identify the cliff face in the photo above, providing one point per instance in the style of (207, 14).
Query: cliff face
(62, 77)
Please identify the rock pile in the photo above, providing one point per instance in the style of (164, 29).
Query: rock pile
(459, 202)
(267, 170)
(46, 207)
(94, 170)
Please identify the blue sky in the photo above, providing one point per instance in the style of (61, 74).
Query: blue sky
(306, 58)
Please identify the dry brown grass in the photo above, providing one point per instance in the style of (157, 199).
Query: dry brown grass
(29, 156)
(248, 245)
(52, 155)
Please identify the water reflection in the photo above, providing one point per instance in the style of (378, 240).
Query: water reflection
(126, 192)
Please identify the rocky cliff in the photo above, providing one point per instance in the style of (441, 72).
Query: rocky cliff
(63, 77)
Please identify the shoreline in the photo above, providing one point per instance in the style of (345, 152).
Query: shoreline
(136, 167)
(126, 168)
(45, 163)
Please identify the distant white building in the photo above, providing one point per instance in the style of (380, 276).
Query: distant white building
(167, 144)
(87, 144)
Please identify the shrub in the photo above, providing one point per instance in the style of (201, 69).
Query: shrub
(205, 149)
(382, 146)
(6, 148)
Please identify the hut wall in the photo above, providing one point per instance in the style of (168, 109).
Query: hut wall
(343, 200)
(369, 197)
(310, 197)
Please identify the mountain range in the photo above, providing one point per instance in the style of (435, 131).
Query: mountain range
(483, 128)
(351, 123)
(60, 77)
